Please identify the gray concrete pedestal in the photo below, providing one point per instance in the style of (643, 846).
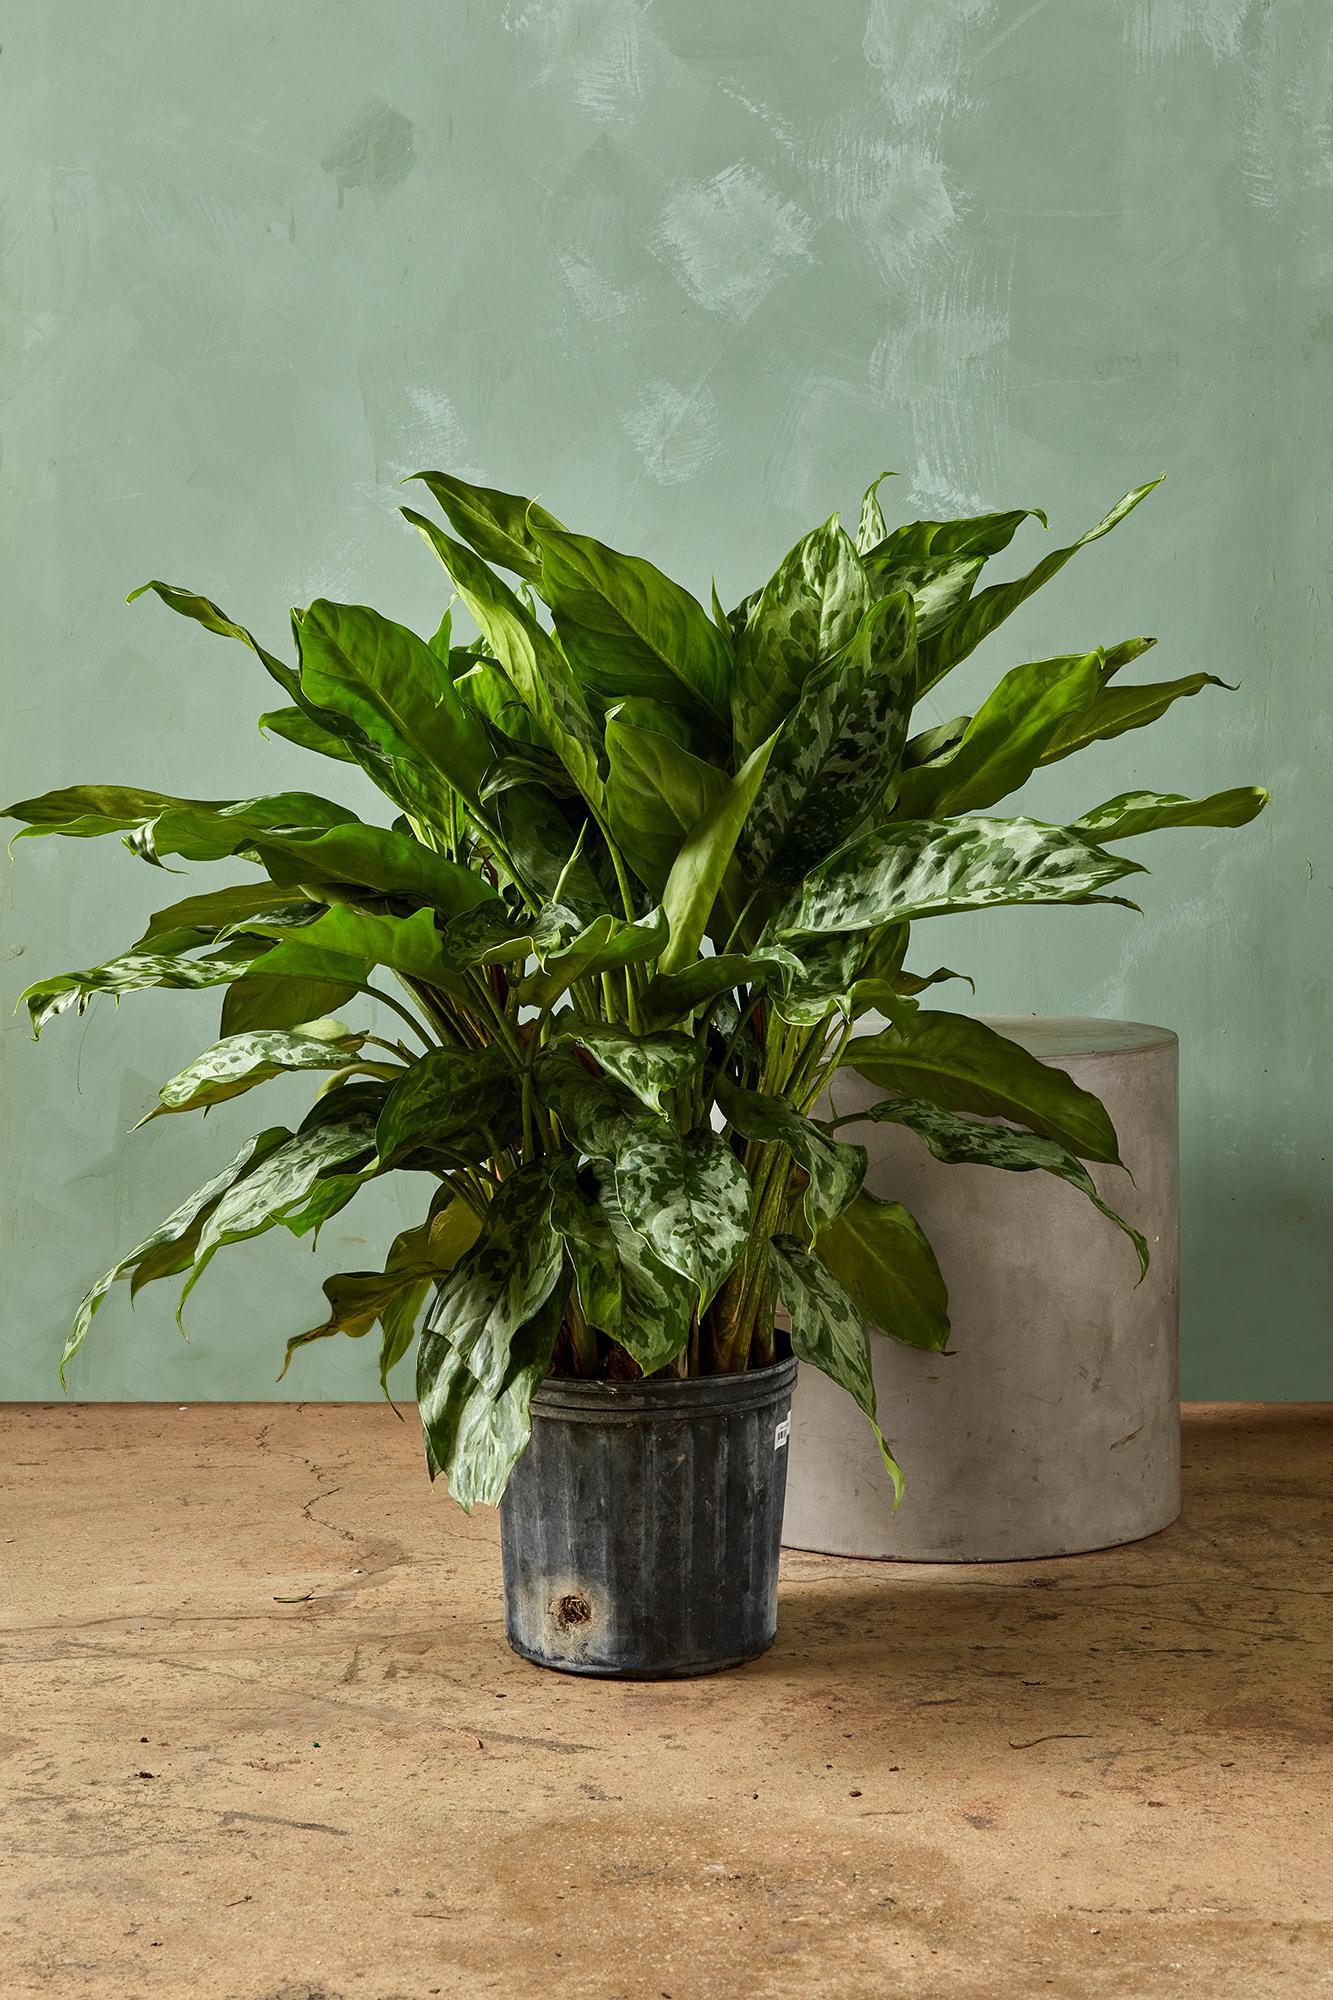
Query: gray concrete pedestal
(1053, 1426)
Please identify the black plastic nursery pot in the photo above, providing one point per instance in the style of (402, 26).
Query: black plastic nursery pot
(642, 1526)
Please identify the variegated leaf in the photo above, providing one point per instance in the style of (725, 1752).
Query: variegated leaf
(924, 868)
(503, 1281)
(130, 973)
(169, 1249)
(838, 750)
(1148, 812)
(966, 1142)
(834, 1170)
(827, 1332)
(473, 1438)
(597, 1116)
(463, 1103)
(807, 612)
(625, 1290)
(690, 1199)
(646, 1064)
(241, 1062)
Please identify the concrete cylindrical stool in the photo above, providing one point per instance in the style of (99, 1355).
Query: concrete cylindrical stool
(1053, 1425)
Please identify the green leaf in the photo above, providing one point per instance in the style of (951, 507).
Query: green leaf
(169, 1249)
(494, 523)
(979, 535)
(625, 1291)
(808, 611)
(503, 1281)
(344, 944)
(157, 823)
(221, 911)
(240, 1062)
(1117, 709)
(835, 1171)
(1004, 741)
(605, 945)
(189, 604)
(962, 1065)
(539, 837)
(279, 1186)
(702, 862)
(296, 725)
(411, 732)
(645, 1064)
(965, 1142)
(927, 868)
(417, 1258)
(881, 1254)
(626, 628)
(1147, 812)
(838, 750)
(827, 1332)
(981, 614)
(256, 1001)
(372, 857)
(533, 662)
(670, 996)
(448, 1100)
(657, 792)
(473, 1438)
(689, 1198)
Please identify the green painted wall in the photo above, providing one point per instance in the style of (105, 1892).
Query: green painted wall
(692, 270)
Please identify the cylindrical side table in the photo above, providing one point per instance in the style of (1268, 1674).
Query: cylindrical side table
(1053, 1424)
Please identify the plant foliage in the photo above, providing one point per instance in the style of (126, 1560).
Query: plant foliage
(644, 870)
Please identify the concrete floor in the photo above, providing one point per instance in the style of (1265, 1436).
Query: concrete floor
(1103, 1776)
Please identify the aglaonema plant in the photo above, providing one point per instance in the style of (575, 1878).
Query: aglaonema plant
(646, 869)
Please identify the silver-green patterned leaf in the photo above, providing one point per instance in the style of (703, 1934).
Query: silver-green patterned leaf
(169, 1249)
(834, 1170)
(871, 528)
(504, 1280)
(1148, 812)
(967, 1142)
(838, 750)
(598, 1116)
(280, 1187)
(645, 1064)
(881, 1254)
(131, 972)
(473, 1438)
(624, 1289)
(158, 823)
(960, 1064)
(241, 1062)
(807, 611)
(690, 1199)
(924, 868)
(827, 1331)
(462, 1102)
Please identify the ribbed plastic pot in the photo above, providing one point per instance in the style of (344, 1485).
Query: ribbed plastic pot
(641, 1528)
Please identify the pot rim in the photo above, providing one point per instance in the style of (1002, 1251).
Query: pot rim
(578, 1399)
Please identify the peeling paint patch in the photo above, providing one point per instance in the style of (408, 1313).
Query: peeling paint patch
(376, 151)
(674, 431)
(728, 238)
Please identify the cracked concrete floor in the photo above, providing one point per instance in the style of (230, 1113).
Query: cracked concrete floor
(262, 1740)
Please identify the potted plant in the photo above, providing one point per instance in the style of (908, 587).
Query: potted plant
(645, 870)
